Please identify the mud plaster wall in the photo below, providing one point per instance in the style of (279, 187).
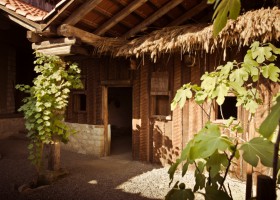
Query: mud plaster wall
(89, 139)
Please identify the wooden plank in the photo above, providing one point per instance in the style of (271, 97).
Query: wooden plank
(167, 7)
(189, 14)
(119, 16)
(160, 83)
(54, 43)
(117, 83)
(64, 50)
(89, 38)
(83, 10)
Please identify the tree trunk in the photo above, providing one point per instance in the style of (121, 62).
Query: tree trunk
(54, 156)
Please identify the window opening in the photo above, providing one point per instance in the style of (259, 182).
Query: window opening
(228, 108)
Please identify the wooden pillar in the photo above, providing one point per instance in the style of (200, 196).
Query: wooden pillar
(105, 119)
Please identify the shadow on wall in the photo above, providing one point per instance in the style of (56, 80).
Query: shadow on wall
(163, 149)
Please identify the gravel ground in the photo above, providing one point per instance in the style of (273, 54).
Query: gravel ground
(111, 178)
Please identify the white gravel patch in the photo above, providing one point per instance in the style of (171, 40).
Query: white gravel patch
(155, 184)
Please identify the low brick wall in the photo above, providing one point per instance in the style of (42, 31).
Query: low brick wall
(11, 126)
(88, 140)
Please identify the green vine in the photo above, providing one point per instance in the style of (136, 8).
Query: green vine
(45, 106)
(213, 149)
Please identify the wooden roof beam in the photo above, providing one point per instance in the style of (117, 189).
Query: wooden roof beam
(83, 10)
(167, 7)
(89, 38)
(192, 12)
(119, 16)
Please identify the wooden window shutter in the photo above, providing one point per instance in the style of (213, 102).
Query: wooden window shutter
(160, 83)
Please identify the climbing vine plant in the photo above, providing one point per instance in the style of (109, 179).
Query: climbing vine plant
(213, 149)
(45, 104)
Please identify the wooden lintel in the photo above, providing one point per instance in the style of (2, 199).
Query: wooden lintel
(194, 11)
(89, 38)
(64, 50)
(117, 83)
(79, 13)
(167, 7)
(119, 16)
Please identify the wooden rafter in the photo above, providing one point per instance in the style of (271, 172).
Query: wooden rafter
(119, 16)
(192, 12)
(167, 7)
(84, 9)
(89, 38)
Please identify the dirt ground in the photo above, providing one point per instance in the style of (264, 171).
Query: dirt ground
(89, 178)
(116, 177)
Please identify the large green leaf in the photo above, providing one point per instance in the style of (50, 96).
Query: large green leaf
(200, 178)
(261, 54)
(215, 162)
(258, 149)
(173, 169)
(207, 141)
(226, 9)
(270, 123)
(180, 97)
(222, 91)
(239, 76)
(271, 71)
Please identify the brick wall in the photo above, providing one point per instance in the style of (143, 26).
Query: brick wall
(144, 112)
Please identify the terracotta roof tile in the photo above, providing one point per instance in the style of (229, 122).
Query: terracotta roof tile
(24, 9)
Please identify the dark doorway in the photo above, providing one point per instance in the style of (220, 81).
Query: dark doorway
(120, 119)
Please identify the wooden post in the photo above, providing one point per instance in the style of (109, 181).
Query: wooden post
(265, 188)
(54, 156)
(105, 119)
(249, 184)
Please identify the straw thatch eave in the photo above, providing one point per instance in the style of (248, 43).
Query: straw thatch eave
(262, 25)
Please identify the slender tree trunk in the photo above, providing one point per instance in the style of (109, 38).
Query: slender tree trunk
(54, 156)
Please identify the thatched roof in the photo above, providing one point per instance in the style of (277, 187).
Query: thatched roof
(262, 25)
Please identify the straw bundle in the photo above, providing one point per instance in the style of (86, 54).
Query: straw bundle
(262, 25)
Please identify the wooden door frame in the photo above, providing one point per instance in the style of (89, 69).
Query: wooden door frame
(105, 85)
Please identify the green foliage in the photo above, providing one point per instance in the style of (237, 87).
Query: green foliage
(235, 78)
(257, 149)
(44, 107)
(225, 9)
(213, 149)
(269, 125)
